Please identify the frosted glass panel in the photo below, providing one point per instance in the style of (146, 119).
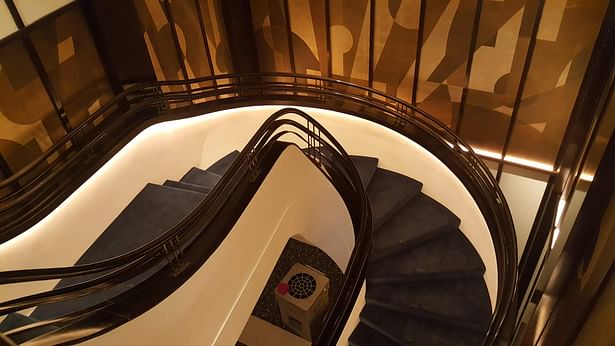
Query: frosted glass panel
(31, 10)
(7, 25)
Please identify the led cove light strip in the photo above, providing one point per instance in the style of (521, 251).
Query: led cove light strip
(523, 162)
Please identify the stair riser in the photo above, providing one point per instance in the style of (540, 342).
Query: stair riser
(421, 277)
(407, 245)
(427, 315)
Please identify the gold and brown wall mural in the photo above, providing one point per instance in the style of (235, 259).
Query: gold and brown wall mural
(504, 74)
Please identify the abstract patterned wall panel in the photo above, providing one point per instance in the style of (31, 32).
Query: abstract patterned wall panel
(71, 60)
(191, 43)
(28, 123)
(396, 26)
(271, 35)
(350, 27)
(309, 36)
(32, 10)
(7, 24)
(504, 35)
(564, 44)
(444, 54)
(479, 100)
(159, 39)
(216, 36)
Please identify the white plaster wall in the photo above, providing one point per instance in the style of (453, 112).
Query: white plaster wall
(168, 150)
(214, 305)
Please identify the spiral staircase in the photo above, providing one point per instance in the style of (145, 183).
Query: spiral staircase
(424, 278)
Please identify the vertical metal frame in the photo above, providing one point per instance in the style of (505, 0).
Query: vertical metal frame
(469, 62)
(180, 55)
(521, 88)
(372, 22)
(289, 38)
(197, 5)
(419, 47)
(588, 111)
(328, 31)
(112, 75)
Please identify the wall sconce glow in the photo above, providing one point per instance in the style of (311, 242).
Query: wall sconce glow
(555, 235)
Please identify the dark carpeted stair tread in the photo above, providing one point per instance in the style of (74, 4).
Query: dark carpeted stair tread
(409, 330)
(197, 176)
(448, 256)
(187, 186)
(463, 302)
(366, 166)
(151, 213)
(364, 335)
(388, 192)
(154, 211)
(16, 320)
(419, 220)
(220, 166)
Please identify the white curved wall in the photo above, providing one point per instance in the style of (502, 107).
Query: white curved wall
(167, 150)
(215, 304)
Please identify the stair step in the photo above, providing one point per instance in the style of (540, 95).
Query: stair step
(16, 320)
(409, 330)
(220, 166)
(463, 302)
(388, 192)
(154, 211)
(364, 335)
(366, 166)
(448, 256)
(419, 220)
(187, 186)
(197, 176)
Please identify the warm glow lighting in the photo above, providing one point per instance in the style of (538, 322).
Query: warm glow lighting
(555, 235)
(558, 219)
(487, 153)
(513, 159)
(529, 163)
(509, 158)
(587, 177)
(520, 161)
(560, 212)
